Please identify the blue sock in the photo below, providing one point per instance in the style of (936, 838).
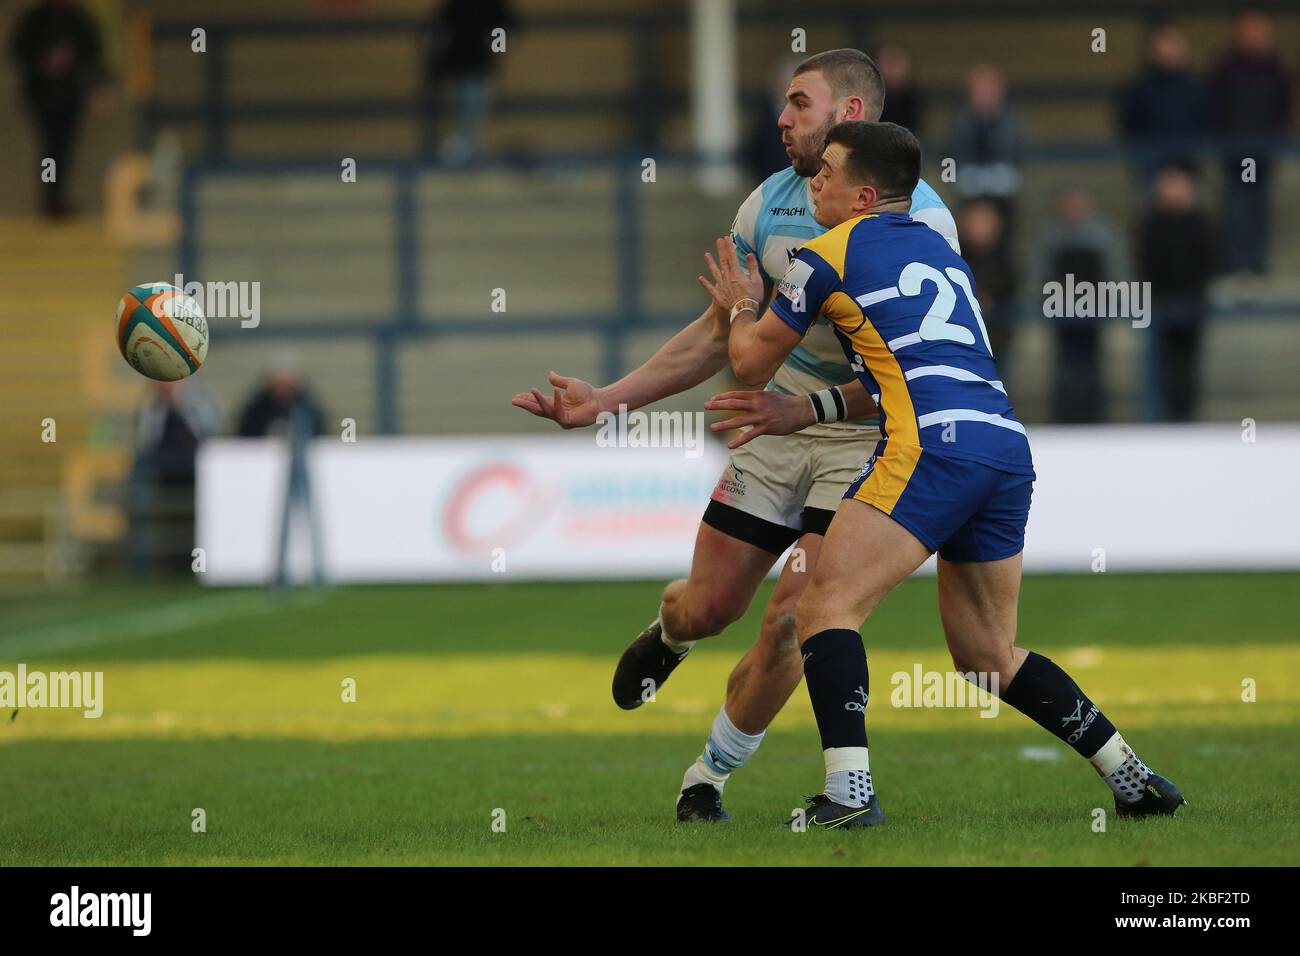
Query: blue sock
(726, 751)
(835, 667)
(1046, 695)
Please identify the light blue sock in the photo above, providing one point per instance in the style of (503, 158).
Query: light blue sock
(726, 751)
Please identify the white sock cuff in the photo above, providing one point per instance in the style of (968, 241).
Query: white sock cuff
(723, 726)
(1111, 756)
(659, 619)
(845, 758)
(701, 772)
(673, 645)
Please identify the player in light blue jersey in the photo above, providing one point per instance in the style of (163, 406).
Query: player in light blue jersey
(953, 473)
(808, 433)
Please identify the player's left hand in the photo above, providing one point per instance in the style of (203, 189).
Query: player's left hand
(730, 282)
(770, 412)
(573, 402)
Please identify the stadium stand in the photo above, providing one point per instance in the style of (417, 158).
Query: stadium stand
(383, 287)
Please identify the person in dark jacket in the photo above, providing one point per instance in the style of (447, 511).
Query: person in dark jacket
(1163, 111)
(764, 152)
(985, 249)
(57, 49)
(173, 422)
(281, 400)
(1082, 244)
(902, 101)
(1250, 103)
(1176, 255)
(987, 141)
(459, 66)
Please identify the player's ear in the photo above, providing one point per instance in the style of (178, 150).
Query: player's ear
(867, 197)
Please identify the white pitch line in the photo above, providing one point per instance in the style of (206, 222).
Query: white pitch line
(136, 625)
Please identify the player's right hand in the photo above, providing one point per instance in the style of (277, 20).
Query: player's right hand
(573, 402)
(761, 412)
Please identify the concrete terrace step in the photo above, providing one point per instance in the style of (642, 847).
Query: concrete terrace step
(60, 284)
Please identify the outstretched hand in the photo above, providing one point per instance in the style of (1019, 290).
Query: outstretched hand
(732, 284)
(573, 402)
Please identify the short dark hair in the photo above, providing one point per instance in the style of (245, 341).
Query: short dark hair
(884, 155)
(849, 72)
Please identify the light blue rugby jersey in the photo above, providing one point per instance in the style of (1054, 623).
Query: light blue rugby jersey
(773, 223)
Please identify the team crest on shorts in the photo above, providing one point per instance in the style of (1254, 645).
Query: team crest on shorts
(729, 487)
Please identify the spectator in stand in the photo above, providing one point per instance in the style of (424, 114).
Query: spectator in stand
(1250, 103)
(1176, 255)
(987, 142)
(985, 249)
(283, 407)
(1083, 245)
(56, 46)
(764, 153)
(176, 419)
(281, 398)
(1163, 111)
(459, 69)
(902, 102)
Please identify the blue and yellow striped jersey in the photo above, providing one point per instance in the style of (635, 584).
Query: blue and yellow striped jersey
(902, 303)
(773, 223)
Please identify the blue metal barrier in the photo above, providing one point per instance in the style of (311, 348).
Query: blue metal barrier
(387, 332)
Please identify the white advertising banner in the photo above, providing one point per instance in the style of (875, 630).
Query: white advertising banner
(1122, 498)
(425, 509)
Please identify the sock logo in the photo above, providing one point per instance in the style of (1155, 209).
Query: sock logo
(1084, 721)
(1078, 712)
(854, 705)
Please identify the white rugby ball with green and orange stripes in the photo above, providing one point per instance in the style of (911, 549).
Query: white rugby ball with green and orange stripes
(161, 331)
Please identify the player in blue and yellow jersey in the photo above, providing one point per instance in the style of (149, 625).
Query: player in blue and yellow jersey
(952, 474)
(807, 434)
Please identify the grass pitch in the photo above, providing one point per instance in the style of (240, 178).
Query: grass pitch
(478, 703)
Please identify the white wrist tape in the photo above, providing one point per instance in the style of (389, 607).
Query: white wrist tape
(740, 307)
(829, 405)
